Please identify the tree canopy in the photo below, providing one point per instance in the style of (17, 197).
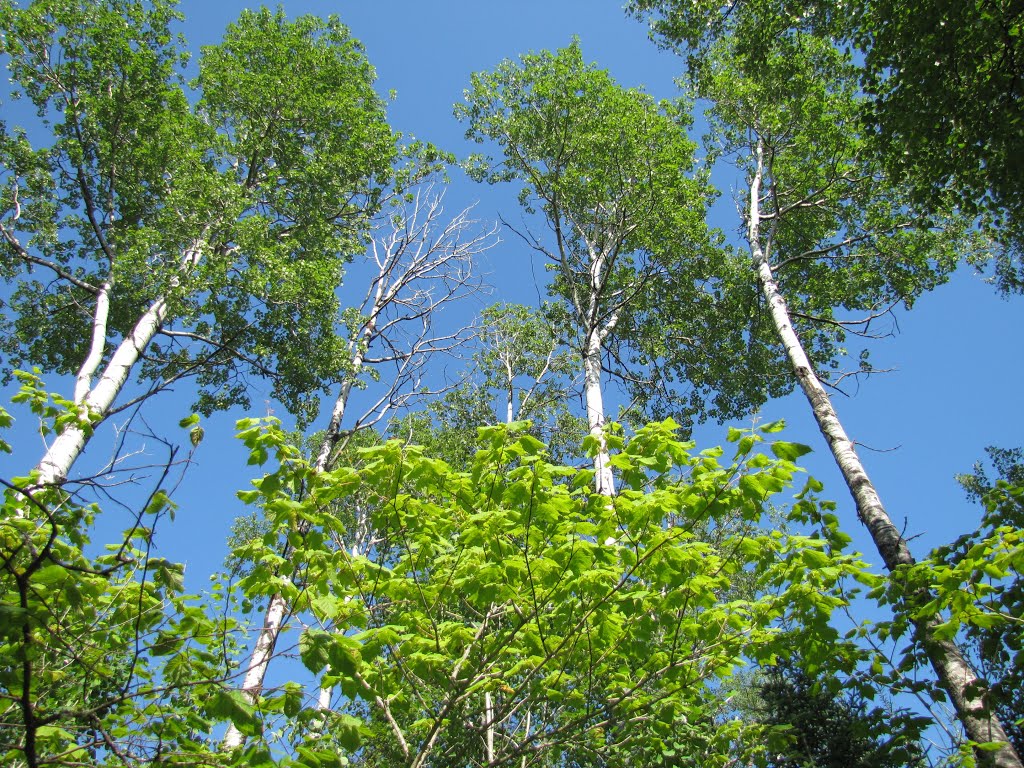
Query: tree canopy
(228, 223)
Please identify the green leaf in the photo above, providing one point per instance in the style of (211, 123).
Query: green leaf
(986, 620)
(50, 575)
(789, 451)
(814, 558)
(231, 705)
(293, 698)
(189, 421)
(989, 746)
(308, 757)
(314, 649)
(348, 731)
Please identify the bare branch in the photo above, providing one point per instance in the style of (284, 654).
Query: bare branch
(859, 327)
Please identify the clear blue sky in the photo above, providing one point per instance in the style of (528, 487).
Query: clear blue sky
(957, 358)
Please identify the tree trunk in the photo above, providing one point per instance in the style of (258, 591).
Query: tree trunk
(97, 344)
(64, 451)
(56, 463)
(510, 404)
(954, 672)
(277, 610)
(489, 726)
(526, 739)
(604, 482)
(413, 252)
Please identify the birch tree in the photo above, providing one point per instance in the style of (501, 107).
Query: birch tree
(147, 241)
(521, 359)
(102, 654)
(827, 231)
(614, 179)
(417, 264)
(769, 187)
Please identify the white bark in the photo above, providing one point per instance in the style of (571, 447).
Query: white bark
(273, 621)
(98, 343)
(526, 738)
(489, 726)
(261, 655)
(954, 672)
(604, 482)
(414, 252)
(596, 333)
(56, 463)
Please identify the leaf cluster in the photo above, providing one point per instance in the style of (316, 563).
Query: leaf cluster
(102, 655)
(614, 176)
(948, 108)
(608, 620)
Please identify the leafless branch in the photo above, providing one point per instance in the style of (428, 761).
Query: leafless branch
(860, 326)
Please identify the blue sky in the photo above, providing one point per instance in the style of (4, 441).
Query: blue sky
(956, 360)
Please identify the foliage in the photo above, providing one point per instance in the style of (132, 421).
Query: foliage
(633, 265)
(992, 559)
(520, 357)
(474, 601)
(974, 586)
(943, 111)
(825, 728)
(232, 218)
(605, 621)
(518, 372)
(828, 231)
(948, 107)
(102, 655)
(841, 237)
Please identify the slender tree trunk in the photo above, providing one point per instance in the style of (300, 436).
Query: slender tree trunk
(954, 672)
(277, 610)
(604, 482)
(489, 725)
(96, 345)
(413, 252)
(64, 451)
(56, 463)
(510, 404)
(527, 739)
(589, 312)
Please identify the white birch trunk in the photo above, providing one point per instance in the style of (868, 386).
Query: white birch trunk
(277, 610)
(526, 740)
(489, 725)
(96, 346)
(56, 463)
(252, 684)
(425, 257)
(510, 406)
(604, 482)
(954, 672)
